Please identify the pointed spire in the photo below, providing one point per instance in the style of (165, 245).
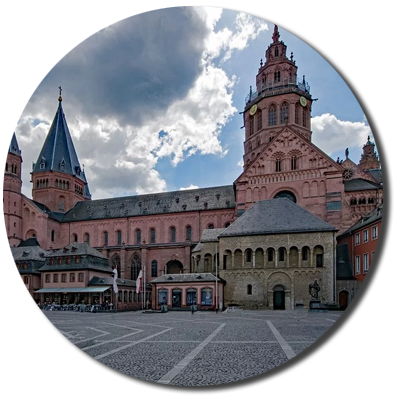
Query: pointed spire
(58, 151)
(14, 148)
(276, 35)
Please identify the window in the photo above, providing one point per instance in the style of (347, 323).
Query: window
(188, 233)
(72, 277)
(297, 114)
(74, 237)
(138, 236)
(162, 296)
(365, 262)
(278, 165)
(26, 280)
(55, 278)
(270, 253)
(47, 278)
(63, 278)
(305, 117)
(357, 265)
(305, 253)
(374, 232)
(130, 296)
(191, 297)
(272, 116)
(251, 125)
(249, 289)
(294, 163)
(105, 238)
(210, 226)
(281, 254)
(152, 235)
(334, 205)
(259, 120)
(365, 236)
(357, 239)
(87, 238)
(206, 297)
(173, 234)
(284, 115)
(119, 238)
(277, 74)
(248, 255)
(125, 296)
(154, 269)
(52, 235)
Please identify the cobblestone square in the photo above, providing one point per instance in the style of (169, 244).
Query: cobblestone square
(183, 349)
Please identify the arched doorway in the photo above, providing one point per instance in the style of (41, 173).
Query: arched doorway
(176, 298)
(286, 194)
(343, 299)
(279, 298)
(174, 267)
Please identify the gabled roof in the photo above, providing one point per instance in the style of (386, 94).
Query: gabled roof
(376, 174)
(372, 217)
(14, 148)
(220, 197)
(30, 256)
(211, 235)
(276, 216)
(58, 152)
(357, 184)
(174, 278)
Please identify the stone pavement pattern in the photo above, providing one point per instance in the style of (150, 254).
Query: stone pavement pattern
(200, 349)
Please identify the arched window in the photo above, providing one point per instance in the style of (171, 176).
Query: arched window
(305, 116)
(248, 255)
(119, 238)
(6, 166)
(61, 203)
(152, 235)
(371, 200)
(297, 114)
(116, 263)
(188, 233)
(173, 234)
(52, 235)
(249, 289)
(251, 125)
(305, 253)
(210, 226)
(74, 237)
(270, 254)
(138, 236)
(272, 116)
(353, 202)
(281, 254)
(277, 74)
(136, 265)
(87, 238)
(259, 120)
(294, 163)
(154, 269)
(278, 165)
(284, 114)
(105, 238)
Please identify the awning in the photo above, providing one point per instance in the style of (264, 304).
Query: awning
(93, 289)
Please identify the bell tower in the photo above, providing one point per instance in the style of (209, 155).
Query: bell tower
(58, 181)
(280, 100)
(369, 159)
(12, 197)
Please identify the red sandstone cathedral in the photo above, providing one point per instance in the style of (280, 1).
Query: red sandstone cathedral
(161, 230)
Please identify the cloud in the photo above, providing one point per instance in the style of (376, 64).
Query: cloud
(335, 135)
(189, 187)
(362, 37)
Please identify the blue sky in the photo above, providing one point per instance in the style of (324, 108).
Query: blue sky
(153, 101)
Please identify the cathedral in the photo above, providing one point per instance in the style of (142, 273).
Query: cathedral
(242, 228)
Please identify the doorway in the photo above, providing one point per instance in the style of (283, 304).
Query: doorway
(279, 298)
(176, 298)
(343, 299)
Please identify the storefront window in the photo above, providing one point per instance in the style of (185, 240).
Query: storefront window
(162, 296)
(206, 297)
(191, 297)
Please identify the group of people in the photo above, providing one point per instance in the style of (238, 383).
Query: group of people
(76, 307)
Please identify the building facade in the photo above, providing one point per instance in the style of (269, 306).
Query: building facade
(160, 231)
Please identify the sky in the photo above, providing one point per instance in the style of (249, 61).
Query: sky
(153, 101)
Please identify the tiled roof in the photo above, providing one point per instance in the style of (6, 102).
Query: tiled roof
(220, 197)
(14, 148)
(275, 216)
(372, 217)
(360, 184)
(344, 270)
(58, 152)
(97, 281)
(29, 251)
(77, 249)
(377, 174)
(211, 235)
(181, 278)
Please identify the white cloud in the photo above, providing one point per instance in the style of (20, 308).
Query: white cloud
(362, 37)
(189, 187)
(335, 135)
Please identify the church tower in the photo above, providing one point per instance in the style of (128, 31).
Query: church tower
(279, 101)
(12, 193)
(369, 159)
(58, 181)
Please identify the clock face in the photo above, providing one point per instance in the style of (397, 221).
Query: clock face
(303, 101)
(253, 109)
